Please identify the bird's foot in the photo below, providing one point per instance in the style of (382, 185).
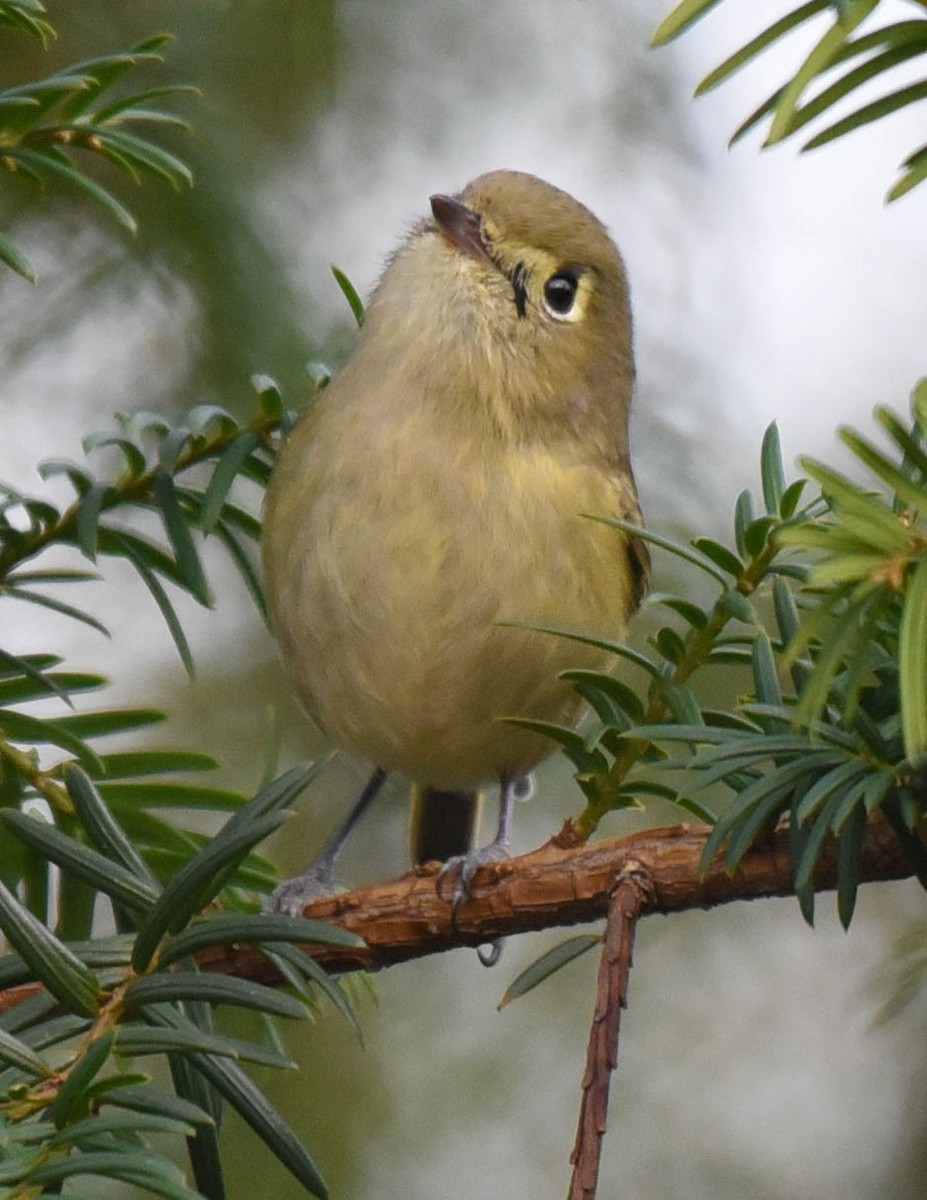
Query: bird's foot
(292, 896)
(465, 866)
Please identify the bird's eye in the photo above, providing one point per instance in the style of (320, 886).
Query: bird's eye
(560, 293)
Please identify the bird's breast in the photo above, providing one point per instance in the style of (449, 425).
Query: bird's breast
(409, 557)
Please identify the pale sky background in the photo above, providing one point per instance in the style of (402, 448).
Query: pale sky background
(766, 286)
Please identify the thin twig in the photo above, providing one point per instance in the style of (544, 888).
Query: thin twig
(633, 894)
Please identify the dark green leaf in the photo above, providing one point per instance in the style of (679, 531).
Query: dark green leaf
(848, 851)
(839, 639)
(572, 743)
(915, 455)
(905, 489)
(268, 394)
(80, 480)
(616, 648)
(791, 497)
(695, 808)
(170, 987)
(15, 259)
(763, 812)
(153, 1174)
(18, 727)
(104, 831)
(548, 964)
(247, 572)
(900, 49)
(697, 734)
(765, 677)
(757, 535)
(820, 829)
(70, 1099)
(744, 516)
(915, 172)
(681, 18)
(128, 107)
(72, 856)
(133, 454)
(227, 929)
(55, 966)
(875, 789)
(92, 1129)
(178, 532)
(768, 747)
(109, 721)
(203, 1149)
(591, 683)
(194, 886)
(146, 155)
(252, 1105)
(687, 553)
(44, 163)
(298, 968)
(275, 796)
(670, 645)
(756, 45)
(161, 598)
(772, 470)
(818, 60)
(33, 682)
(786, 611)
(739, 607)
(726, 560)
(686, 609)
(755, 806)
(798, 837)
(88, 517)
(912, 663)
(151, 1100)
(683, 705)
(38, 687)
(154, 762)
(10, 665)
(137, 1041)
(58, 606)
(223, 477)
(350, 294)
(170, 795)
(870, 112)
(16, 1053)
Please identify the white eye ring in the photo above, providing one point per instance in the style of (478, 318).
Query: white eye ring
(560, 292)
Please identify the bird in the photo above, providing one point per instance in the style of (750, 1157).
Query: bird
(431, 510)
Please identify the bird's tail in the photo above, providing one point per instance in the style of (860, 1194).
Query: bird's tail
(442, 824)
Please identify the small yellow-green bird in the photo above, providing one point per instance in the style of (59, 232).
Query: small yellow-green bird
(436, 491)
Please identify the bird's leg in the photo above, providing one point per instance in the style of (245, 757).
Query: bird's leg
(292, 896)
(466, 865)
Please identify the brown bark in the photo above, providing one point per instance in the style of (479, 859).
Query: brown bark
(629, 899)
(558, 884)
(555, 885)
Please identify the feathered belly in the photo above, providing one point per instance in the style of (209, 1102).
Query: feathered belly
(391, 617)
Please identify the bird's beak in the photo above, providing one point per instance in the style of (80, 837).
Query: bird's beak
(461, 226)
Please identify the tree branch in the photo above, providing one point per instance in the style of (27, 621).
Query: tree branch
(555, 885)
(630, 899)
(559, 885)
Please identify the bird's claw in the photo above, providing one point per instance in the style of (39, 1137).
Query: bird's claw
(292, 896)
(466, 866)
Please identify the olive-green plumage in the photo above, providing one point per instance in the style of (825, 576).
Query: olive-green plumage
(437, 487)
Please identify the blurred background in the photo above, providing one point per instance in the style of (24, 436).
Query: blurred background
(765, 287)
